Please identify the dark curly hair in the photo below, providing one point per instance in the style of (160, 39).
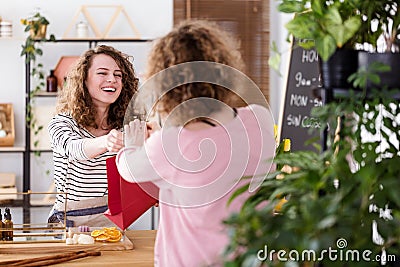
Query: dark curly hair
(75, 99)
(189, 41)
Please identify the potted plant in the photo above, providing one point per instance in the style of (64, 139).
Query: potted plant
(342, 206)
(36, 25)
(379, 37)
(330, 28)
(381, 22)
(325, 25)
(339, 29)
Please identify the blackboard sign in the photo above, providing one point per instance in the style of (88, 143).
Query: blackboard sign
(303, 78)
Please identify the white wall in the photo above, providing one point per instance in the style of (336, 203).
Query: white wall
(152, 18)
(278, 80)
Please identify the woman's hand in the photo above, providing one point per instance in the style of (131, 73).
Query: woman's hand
(135, 133)
(114, 141)
(152, 126)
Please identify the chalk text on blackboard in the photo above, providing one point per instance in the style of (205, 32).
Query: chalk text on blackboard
(298, 100)
(309, 56)
(302, 81)
(302, 121)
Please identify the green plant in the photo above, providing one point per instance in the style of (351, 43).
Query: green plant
(381, 19)
(36, 128)
(31, 51)
(33, 25)
(327, 25)
(348, 193)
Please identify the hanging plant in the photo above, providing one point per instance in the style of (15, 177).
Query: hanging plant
(36, 25)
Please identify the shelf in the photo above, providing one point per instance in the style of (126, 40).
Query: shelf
(46, 94)
(94, 41)
(12, 149)
(12, 203)
(117, 39)
(11, 38)
(34, 203)
(341, 93)
(41, 150)
(73, 40)
(42, 202)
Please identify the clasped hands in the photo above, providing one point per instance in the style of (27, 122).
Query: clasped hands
(135, 133)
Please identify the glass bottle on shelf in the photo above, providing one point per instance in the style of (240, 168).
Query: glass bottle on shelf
(8, 234)
(51, 82)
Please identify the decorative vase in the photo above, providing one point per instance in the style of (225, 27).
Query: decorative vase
(389, 79)
(337, 69)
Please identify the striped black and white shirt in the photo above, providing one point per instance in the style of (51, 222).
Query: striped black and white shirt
(74, 173)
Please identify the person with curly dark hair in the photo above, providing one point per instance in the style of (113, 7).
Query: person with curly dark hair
(86, 131)
(206, 144)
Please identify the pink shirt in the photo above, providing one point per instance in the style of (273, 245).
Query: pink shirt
(197, 171)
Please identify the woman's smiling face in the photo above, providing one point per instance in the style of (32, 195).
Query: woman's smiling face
(104, 80)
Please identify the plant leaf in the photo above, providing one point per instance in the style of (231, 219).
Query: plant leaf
(274, 62)
(293, 6)
(341, 31)
(325, 46)
(302, 26)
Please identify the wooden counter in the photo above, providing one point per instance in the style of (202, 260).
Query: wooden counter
(141, 255)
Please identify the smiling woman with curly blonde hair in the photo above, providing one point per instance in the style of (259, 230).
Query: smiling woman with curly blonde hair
(76, 100)
(86, 131)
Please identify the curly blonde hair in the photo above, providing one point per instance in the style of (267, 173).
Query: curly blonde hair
(189, 41)
(75, 99)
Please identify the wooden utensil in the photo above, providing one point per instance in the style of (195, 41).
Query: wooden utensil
(49, 260)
